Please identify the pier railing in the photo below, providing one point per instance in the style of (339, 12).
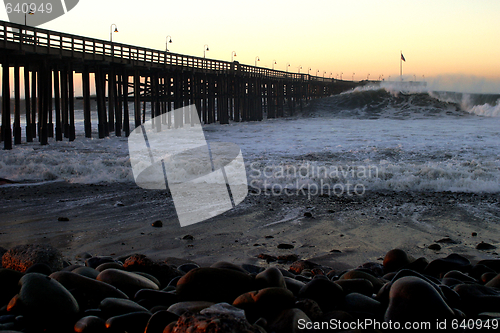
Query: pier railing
(41, 41)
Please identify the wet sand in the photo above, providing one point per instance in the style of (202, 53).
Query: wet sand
(340, 232)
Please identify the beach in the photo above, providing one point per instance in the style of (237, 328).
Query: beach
(336, 231)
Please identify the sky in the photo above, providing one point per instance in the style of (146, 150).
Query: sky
(453, 45)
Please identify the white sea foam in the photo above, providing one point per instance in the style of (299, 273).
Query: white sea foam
(444, 153)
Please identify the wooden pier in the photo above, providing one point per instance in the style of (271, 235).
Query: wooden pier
(222, 91)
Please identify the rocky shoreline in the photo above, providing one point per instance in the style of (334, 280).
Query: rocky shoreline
(41, 291)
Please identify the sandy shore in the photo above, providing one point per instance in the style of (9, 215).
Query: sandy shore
(341, 232)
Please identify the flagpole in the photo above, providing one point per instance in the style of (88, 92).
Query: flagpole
(401, 65)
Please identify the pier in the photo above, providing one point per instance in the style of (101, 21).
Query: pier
(222, 91)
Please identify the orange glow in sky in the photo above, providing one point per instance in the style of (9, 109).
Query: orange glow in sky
(439, 39)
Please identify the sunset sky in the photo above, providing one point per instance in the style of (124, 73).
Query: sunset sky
(453, 44)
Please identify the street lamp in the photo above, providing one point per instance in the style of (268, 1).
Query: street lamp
(274, 63)
(368, 77)
(341, 75)
(324, 75)
(353, 76)
(169, 40)
(111, 31)
(256, 59)
(317, 72)
(299, 68)
(233, 54)
(308, 69)
(287, 65)
(205, 48)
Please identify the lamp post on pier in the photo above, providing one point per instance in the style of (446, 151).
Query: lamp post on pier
(169, 40)
(287, 65)
(233, 54)
(274, 63)
(299, 68)
(205, 48)
(256, 59)
(111, 31)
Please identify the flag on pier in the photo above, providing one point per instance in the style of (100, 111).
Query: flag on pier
(403, 57)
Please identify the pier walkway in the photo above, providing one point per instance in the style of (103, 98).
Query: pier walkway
(222, 91)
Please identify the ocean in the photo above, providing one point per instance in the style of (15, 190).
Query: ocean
(374, 138)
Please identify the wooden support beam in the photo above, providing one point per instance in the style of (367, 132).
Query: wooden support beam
(57, 98)
(17, 104)
(6, 129)
(87, 116)
(27, 98)
(71, 101)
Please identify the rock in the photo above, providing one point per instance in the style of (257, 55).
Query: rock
(130, 322)
(493, 264)
(224, 308)
(159, 321)
(395, 260)
(446, 240)
(293, 285)
(228, 265)
(285, 246)
(375, 268)
(188, 237)
(414, 299)
(213, 285)
(487, 277)
(459, 276)
(44, 300)
(108, 265)
(161, 271)
(90, 324)
(298, 266)
(96, 261)
(494, 282)
(21, 257)
(271, 277)
(94, 291)
(221, 323)
(9, 284)
(434, 247)
(155, 297)
(127, 282)
(184, 268)
(288, 258)
(357, 274)
(355, 302)
(83, 256)
(289, 321)
(190, 306)
(477, 298)
(485, 246)
(310, 308)
(86, 271)
(265, 303)
(39, 268)
(63, 219)
(361, 286)
(267, 257)
(252, 269)
(157, 224)
(112, 307)
(452, 262)
(327, 294)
